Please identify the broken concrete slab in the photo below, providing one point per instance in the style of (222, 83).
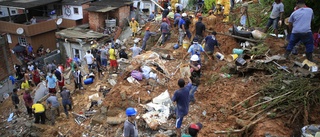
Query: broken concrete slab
(98, 119)
(115, 120)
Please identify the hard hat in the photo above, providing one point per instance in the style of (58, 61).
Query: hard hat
(132, 19)
(148, 28)
(194, 57)
(184, 14)
(169, 8)
(131, 111)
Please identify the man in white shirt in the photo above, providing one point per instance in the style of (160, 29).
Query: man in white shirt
(89, 59)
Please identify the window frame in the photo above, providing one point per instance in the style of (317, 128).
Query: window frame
(74, 11)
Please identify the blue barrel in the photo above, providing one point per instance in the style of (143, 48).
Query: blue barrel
(88, 81)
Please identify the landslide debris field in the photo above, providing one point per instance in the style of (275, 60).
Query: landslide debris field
(251, 100)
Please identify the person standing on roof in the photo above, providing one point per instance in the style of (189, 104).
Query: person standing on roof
(300, 26)
(181, 97)
(134, 25)
(200, 29)
(276, 15)
(165, 30)
(196, 49)
(130, 127)
(146, 37)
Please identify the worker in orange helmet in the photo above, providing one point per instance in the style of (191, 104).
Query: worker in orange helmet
(165, 30)
(147, 35)
(134, 25)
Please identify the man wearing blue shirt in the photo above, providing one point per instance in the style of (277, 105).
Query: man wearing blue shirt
(181, 26)
(197, 49)
(181, 97)
(210, 43)
(151, 16)
(51, 82)
(146, 37)
(165, 30)
(300, 24)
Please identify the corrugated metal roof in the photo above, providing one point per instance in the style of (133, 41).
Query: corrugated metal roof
(26, 3)
(107, 5)
(80, 33)
(75, 2)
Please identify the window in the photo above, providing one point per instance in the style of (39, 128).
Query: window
(13, 12)
(1, 13)
(22, 40)
(76, 10)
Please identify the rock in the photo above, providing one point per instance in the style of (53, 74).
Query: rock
(33, 134)
(123, 95)
(168, 132)
(103, 110)
(98, 119)
(28, 124)
(115, 120)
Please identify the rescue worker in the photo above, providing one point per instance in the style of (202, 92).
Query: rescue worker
(182, 28)
(151, 16)
(130, 127)
(196, 49)
(165, 30)
(200, 29)
(211, 20)
(134, 25)
(300, 26)
(195, 68)
(146, 37)
(181, 97)
(276, 15)
(210, 43)
(173, 4)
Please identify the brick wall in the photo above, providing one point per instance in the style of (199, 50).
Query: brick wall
(96, 20)
(85, 13)
(124, 12)
(4, 49)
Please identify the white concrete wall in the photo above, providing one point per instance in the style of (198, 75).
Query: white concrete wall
(144, 5)
(4, 10)
(72, 15)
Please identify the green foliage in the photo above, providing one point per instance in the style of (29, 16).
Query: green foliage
(208, 5)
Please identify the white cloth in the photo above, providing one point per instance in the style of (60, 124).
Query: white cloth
(89, 58)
